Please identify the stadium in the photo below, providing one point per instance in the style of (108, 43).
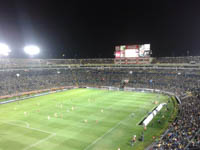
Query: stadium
(95, 75)
(100, 104)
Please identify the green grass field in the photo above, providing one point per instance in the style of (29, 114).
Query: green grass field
(80, 119)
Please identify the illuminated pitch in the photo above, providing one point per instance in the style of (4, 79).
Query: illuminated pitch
(99, 120)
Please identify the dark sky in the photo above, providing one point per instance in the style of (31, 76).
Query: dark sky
(91, 29)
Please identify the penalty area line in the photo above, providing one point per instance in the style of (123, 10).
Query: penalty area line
(13, 124)
(37, 143)
(98, 139)
(27, 124)
(40, 141)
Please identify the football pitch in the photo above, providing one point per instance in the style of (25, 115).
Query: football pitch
(81, 119)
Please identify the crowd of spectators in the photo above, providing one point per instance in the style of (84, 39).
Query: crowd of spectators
(195, 143)
(23, 80)
(165, 79)
(18, 81)
(183, 133)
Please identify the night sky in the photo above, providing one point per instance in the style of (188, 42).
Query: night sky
(92, 29)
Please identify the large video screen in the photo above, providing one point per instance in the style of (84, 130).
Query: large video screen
(128, 51)
(131, 53)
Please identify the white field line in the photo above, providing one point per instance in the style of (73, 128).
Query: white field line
(40, 141)
(26, 127)
(98, 139)
(27, 124)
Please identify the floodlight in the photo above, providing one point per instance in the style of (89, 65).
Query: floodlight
(4, 49)
(32, 50)
(17, 74)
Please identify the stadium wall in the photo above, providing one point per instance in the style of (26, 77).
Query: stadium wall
(32, 94)
(24, 63)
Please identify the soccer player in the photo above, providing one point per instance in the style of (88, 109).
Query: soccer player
(133, 140)
(55, 115)
(132, 115)
(142, 137)
(145, 128)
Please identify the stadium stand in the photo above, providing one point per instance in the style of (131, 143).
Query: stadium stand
(21, 63)
(177, 60)
(24, 75)
(184, 132)
(23, 80)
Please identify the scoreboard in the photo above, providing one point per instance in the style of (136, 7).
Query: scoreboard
(132, 51)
